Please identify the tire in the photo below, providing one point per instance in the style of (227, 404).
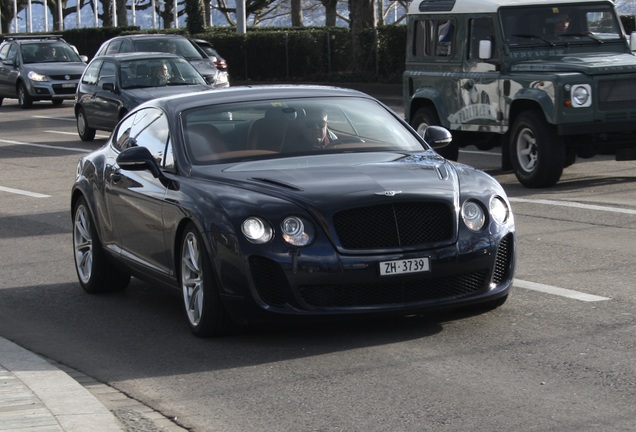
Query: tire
(95, 273)
(57, 101)
(24, 100)
(205, 313)
(427, 116)
(85, 132)
(537, 153)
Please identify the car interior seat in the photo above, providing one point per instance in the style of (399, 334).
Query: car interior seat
(124, 79)
(269, 132)
(204, 141)
(143, 71)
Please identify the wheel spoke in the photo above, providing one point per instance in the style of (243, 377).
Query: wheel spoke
(192, 279)
(83, 244)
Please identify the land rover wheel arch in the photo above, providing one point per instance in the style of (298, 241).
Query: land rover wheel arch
(537, 153)
(427, 116)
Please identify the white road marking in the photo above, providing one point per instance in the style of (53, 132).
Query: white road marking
(23, 192)
(574, 205)
(480, 152)
(548, 289)
(45, 146)
(54, 118)
(73, 133)
(61, 132)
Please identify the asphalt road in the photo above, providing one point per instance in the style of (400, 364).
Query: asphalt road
(558, 356)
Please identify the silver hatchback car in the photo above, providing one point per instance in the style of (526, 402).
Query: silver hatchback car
(34, 68)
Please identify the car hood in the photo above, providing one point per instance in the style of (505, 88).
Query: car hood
(204, 67)
(57, 68)
(587, 63)
(331, 179)
(148, 93)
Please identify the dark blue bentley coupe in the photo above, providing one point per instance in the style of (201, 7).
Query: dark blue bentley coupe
(288, 201)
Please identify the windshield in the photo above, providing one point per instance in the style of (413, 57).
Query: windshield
(560, 24)
(179, 46)
(158, 72)
(290, 127)
(47, 52)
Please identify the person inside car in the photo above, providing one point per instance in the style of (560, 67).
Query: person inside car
(315, 134)
(561, 23)
(160, 75)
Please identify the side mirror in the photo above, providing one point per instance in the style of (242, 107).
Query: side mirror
(632, 41)
(109, 86)
(485, 49)
(437, 136)
(84, 58)
(138, 159)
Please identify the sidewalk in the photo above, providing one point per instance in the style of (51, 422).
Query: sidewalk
(36, 396)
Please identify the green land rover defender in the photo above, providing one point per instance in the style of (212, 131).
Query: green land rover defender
(547, 80)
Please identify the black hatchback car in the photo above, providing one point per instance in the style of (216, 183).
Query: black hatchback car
(173, 44)
(112, 85)
(34, 68)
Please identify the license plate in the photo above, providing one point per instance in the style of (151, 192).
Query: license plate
(68, 85)
(403, 266)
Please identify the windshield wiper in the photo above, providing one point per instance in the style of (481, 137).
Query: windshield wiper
(590, 35)
(532, 36)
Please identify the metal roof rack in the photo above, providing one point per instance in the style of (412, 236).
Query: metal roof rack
(34, 37)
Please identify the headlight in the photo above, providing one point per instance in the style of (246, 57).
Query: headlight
(34, 76)
(222, 78)
(256, 230)
(581, 95)
(296, 232)
(499, 210)
(473, 215)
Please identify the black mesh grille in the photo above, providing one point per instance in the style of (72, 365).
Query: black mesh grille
(394, 225)
(270, 281)
(397, 292)
(616, 94)
(502, 261)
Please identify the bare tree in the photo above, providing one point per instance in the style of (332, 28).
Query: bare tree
(194, 20)
(331, 12)
(296, 13)
(362, 17)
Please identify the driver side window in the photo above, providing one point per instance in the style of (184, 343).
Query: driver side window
(148, 128)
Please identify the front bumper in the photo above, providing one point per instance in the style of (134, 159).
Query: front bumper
(351, 285)
(47, 90)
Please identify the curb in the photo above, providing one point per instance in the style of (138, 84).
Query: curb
(34, 394)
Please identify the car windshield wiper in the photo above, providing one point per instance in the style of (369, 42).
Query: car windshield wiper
(590, 35)
(532, 36)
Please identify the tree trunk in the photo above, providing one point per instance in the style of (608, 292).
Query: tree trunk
(194, 18)
(362, 16)
(296, 13)
(122, 14)
(331, 13)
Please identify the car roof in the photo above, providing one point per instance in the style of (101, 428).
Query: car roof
(139, 56)
(483, 6)
(150, 36)
(254, 93)
(33, 38)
